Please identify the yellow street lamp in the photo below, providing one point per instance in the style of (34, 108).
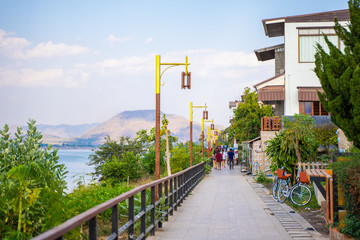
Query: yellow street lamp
(191, 133)
(186, 83)
(209, 134)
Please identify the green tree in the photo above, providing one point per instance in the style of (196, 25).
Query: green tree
(339, 75)
(112, 149)
(32, 185)
(247, 122)
(294, 143)
(121, 169)
(326, 136)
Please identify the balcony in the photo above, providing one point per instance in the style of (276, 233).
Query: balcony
(270, 123)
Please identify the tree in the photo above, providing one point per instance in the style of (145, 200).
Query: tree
(247, 122)
(300, 132)
(165, 123)
(339, 75)
(294, 143)
(326, 136)
(111, 150)
(32, 185)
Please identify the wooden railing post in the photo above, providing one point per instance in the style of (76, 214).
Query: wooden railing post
(143, 209)
(152, 211)
(166, 186)
(131, 218)
(159, 206)
(172, 197)
(93, 228)
(115, 220)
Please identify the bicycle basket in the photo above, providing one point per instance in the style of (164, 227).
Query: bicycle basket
(304, 178)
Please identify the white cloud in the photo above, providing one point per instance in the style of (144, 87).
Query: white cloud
(111, 39)
(52, 77)
(18, 48)
(49, 49)
(149, 40)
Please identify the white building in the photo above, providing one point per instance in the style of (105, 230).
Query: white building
(294, 87)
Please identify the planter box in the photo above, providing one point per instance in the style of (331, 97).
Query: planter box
(336, 235)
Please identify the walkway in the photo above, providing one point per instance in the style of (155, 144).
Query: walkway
(228, 205)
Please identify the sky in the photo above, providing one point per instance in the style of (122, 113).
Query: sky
(76, 62)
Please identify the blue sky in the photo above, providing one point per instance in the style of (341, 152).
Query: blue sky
(79, 62)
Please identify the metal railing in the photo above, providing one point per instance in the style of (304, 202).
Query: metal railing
(173, 189)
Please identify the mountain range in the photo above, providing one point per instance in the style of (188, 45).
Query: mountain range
(126, 123)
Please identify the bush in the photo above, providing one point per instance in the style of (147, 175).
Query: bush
(120, 170)
(348, 175)
(31, 185)
(261, 178)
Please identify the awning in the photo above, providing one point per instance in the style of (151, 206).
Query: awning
(271, 93)
(309, 94)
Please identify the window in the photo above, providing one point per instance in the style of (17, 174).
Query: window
(308, 39)
(312, 108)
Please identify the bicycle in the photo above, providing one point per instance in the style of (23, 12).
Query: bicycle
(299, 194)
(277, 180)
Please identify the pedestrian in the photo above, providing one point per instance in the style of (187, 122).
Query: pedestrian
(231, 158)
(214, 159)
(224, 158)
(218, 159)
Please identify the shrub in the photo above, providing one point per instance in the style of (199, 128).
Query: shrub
(31, 185)
(120, 170)
(348, 174)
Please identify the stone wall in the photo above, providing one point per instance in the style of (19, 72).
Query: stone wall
(259, 147)
(343, 143)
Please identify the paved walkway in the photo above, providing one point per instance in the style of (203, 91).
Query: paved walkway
(228, 205)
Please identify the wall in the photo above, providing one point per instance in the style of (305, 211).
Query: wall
(297, 74)
(259, 150)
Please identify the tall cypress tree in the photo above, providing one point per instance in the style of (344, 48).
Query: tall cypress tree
(339, 74)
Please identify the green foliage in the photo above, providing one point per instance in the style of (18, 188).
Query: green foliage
(111, 150)
(339, 75)
(121, 169)
(261, 178)
(180, 156)
(295, 142)
(31, 185)
(326, 136)
(208, 168)
(247, 122)
(148, 161)
(84, 198)
(348, 175)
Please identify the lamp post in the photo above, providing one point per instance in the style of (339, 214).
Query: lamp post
(184, 85)
(209, 133)
(191, 123)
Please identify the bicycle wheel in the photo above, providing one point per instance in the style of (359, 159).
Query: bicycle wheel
(275, 188)
(300, 195)
(283, 189)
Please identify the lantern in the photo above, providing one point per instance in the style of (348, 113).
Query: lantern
(205, 115)
(185, 80)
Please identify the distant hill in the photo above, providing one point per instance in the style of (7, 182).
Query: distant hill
(129, 122)
(126, 123)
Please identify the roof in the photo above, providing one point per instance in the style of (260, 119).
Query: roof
(309, 94)
(277, 77)
(274, 27)
(253, 140)
(267, 53)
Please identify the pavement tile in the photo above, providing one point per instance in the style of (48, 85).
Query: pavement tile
(225, 206)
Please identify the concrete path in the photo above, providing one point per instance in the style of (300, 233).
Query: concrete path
(225, 206)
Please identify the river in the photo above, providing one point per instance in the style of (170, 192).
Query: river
(76, 161)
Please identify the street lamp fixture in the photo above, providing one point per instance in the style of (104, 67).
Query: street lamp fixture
(191, 137)
(157, 108)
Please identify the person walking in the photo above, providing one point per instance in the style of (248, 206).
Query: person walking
(224, 158)
(218, 157)
(231, 158)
